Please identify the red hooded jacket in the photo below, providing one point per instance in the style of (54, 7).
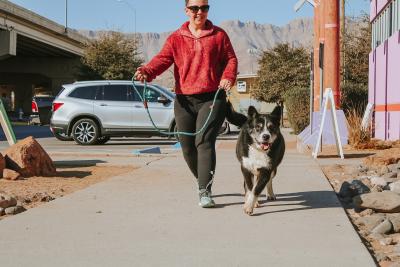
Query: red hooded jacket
(200, 63)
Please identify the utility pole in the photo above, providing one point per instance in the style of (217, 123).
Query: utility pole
(332, 48)
(66, 16)
(326, 48)
(342, 39)
(317, 57)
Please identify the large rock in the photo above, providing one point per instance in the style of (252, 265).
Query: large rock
(28, 158)
(352, 189)
(395, 220)
(7, 201)
(11, 175)
(395, 187)
(380, 181)
(383, 228)
(372, 221)
(14, 210)
(387, 201)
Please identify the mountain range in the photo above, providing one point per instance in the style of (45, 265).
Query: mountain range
(249, 40)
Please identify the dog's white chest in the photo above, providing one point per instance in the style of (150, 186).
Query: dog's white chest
(257, 159)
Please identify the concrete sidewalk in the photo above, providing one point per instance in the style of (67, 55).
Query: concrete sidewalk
(151, 218)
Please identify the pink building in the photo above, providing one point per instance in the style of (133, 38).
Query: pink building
(384, 68)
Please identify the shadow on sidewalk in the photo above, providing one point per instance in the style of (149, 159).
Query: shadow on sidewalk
(307, 200)
(61, 164)
(347, 156)
(112, 142)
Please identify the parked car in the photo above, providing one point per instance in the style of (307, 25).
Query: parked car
(91, 112)
(41, 109)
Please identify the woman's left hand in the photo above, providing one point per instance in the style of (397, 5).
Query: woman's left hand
(225, 84)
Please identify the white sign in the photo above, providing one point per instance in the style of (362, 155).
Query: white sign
(6, 125)
(300, 3)
(328, 97)
(367, 116)
(241, 87)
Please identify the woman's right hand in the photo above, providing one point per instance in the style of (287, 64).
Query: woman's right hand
(140, 75)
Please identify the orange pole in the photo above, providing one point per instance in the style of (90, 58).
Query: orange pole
(322, 15)
(316, 58)
(332, 48)
(321, 40)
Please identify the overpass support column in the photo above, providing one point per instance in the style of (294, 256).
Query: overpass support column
(8, 41)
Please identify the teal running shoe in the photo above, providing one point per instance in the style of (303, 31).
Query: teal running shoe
(205, 199)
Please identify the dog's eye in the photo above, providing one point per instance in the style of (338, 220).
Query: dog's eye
(271, 127)
(259, 126)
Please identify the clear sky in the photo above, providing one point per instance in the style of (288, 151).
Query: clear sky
(167, 15)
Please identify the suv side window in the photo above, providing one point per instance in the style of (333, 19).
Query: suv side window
(115, 92)
(133, 94)
(151, 94)
(85, 92)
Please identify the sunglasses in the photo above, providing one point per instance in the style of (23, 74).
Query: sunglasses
(196, 9)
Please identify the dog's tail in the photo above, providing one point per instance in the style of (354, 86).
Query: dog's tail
(234, 117)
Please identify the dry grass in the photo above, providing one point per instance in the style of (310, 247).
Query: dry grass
(358, 136)
(361, 138)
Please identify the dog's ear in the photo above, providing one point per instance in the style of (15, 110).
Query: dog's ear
(276, 114)
(277, 111)
(252, 112)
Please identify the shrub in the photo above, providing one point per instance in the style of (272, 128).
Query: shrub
(281, 68)
(354, 98)
(297, 102)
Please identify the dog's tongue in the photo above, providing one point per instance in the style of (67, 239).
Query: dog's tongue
(264, 146)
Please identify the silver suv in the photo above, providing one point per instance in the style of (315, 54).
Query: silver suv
(91, 112)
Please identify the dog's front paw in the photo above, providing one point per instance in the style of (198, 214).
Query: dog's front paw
(271, 198)
(257, 205)
(248, 210)
(248, 207)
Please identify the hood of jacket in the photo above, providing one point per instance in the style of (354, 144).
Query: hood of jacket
(209, 29)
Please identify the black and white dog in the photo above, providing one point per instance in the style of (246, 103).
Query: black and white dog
(260, 149)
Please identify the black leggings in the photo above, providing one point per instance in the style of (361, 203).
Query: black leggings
(191, 112)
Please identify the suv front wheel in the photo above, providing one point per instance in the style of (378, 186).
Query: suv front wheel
(85, 132)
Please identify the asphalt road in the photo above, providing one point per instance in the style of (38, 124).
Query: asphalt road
(25, 131)
(117, 145)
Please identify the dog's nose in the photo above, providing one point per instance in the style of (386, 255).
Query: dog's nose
(266, 137)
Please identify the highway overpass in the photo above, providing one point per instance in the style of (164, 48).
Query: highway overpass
(35, 54)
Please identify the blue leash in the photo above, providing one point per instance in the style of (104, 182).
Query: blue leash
(144, 101)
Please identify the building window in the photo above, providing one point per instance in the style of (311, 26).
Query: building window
(241, 86)
(392, 18)
(397, 14)
(386, 24)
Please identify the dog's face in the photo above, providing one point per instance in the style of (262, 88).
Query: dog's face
(264, 128)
